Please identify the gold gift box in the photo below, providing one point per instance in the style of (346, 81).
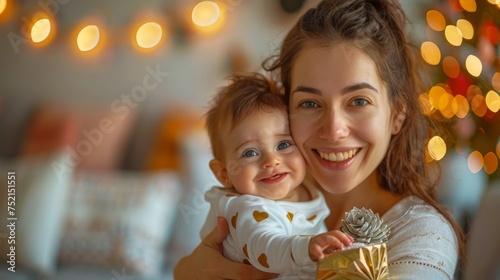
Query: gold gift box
(360, 263)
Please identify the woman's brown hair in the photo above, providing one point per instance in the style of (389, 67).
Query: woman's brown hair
(377, 27)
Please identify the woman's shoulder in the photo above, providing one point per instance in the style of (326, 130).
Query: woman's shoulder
(420, 237)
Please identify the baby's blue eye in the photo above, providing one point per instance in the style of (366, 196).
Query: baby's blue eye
(309, 104)
(284, 145)
(250, 153)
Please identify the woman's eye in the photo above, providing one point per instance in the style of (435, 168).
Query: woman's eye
(250, 153)
(284, 145)
(359, 102)
(308, 104)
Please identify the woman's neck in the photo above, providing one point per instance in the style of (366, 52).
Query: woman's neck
(368, 194)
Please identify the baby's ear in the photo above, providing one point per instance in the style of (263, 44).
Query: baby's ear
(220, 171)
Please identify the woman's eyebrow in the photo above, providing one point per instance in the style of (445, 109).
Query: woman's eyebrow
(345, 90)
(356, 87)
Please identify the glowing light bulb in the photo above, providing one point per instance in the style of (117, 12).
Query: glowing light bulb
(205, 13)
(88, 38)
(3, 5)
(149, 35)
(40, 30)
(436, 148)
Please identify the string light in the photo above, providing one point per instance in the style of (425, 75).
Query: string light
(430, 53)
(469, 5)
(453, 35)
(473, 65)
(205, 13)
(88, 38)
(149, 35)
(465, 28)
(40, 30)
(435, 20)
(3, 5)
(493, 101)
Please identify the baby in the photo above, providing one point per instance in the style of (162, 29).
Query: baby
(275, 222)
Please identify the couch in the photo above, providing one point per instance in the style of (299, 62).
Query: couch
(96, 195)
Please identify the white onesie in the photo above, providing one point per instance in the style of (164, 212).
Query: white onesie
(271, 235)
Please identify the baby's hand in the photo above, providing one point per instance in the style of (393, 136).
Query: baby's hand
(328, 242)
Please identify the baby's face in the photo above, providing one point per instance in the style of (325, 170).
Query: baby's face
(261, 157)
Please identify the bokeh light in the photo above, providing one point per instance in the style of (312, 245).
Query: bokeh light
(473, 65)
(451, 67)
(149, 35)
(453, 35)
(40, 30)
(460, 106)
(436, 148)
(490, 162)
(495, 81)
(425, 104)
(436, 20)
(430, 53)
(475, 162)
(478, 105)
(472, 91)
(88, 38)
(493, 101)
(444, 105)
(498, 149)
(3, 5)
(466, 28)
(494, 2)
(469, 5)
(435, 94)
(205, 13)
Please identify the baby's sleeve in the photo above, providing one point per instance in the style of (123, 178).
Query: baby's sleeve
(264, 234)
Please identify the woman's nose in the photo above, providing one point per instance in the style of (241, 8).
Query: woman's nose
(270, 160)
(333, 127)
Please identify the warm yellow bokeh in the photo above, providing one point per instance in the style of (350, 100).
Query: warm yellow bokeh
(205, 13)
(451, 67)
(473, 65)
(494, 2)
(435, 94)
(495, 81)
(444, 105)
(149, 35)
(425, 104)
(490, 163)
(466, 28)
(436, 20)
(3, 5)
(475, 162)
(493, 101)
(472, 91)
(469, 5)
(436, 148)
(453, 35)
(40, 30)
(88, 38)
(460, 106)
(430, 53)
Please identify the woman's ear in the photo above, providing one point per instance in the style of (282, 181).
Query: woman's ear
(220, 171)
(397, 121)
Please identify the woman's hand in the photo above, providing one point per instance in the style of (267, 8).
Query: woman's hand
(207, 261)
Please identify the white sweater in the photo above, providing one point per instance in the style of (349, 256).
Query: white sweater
(422, 244)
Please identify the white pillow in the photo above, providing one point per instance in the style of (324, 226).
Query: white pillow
(120, 221)
(41, 191)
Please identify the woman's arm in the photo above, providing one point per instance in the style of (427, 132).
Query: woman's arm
(207, 261)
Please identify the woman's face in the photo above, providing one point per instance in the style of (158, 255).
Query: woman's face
(340, 115)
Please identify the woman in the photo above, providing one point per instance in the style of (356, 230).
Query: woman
(351, 79)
